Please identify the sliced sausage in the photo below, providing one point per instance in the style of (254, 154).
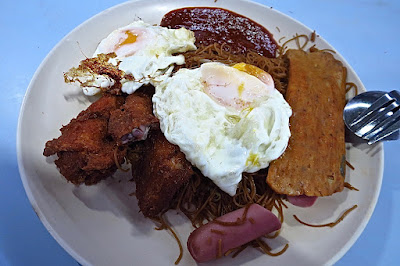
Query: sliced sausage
(302, 200)
(231, 230)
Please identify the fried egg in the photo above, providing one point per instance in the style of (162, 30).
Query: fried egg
(226, 119)
(143, 51)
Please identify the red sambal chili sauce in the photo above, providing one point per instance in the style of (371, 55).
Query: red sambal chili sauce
(216, 25)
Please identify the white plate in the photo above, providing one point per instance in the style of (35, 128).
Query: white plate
(100, 225)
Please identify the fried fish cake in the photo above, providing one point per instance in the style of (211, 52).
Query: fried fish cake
(314, 161)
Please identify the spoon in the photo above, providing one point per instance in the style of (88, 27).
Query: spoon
(356, 106)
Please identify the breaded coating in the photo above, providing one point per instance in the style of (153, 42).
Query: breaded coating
(79, 135)
(102, 107)
(314, 161)
(133, 120)
(159, 173)
(86, 152)
(87, 168)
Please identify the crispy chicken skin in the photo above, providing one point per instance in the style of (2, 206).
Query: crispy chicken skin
(87, 168)
(102, 107)
(314, 161)
(133, 120)
(85, 150)
(79, 135)
(159, 173)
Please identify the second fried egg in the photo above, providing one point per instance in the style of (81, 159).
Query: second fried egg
(144, 51)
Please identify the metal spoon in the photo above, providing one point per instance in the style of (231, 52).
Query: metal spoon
(356, 106)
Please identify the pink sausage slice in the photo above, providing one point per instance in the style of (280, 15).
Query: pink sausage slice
(302, 200)
(212, 240)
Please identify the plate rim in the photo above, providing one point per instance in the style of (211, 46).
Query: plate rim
(38, 211)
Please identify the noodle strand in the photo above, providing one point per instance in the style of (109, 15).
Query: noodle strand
(328, 224)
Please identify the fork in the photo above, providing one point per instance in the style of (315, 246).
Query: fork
(380, 120)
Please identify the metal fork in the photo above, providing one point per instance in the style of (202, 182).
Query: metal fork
(380, 120)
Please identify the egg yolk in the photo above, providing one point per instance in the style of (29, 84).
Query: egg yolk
(236, 86)
(256, 72)
(249, 69)
(129, 40)
(241, 89)
(253, 160)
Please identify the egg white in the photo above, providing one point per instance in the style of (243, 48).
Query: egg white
(149, 59)
(221, 141)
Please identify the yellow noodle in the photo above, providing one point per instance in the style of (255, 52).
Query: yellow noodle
(349, 186)
(117, 162)
(165, 225)
(328, 224)
(201, 200)
(351, 85)
(276, 67)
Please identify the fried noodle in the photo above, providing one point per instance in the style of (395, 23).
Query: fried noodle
(201, 200)
(328, 224)
(276, 67)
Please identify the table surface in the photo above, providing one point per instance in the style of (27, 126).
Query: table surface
(365, 32)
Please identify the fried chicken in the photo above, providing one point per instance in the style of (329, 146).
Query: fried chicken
(88, 168)
(86, 152)
(90, 144)
(79, 135)
(160, 172)
(102, 107)
(133, 120)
